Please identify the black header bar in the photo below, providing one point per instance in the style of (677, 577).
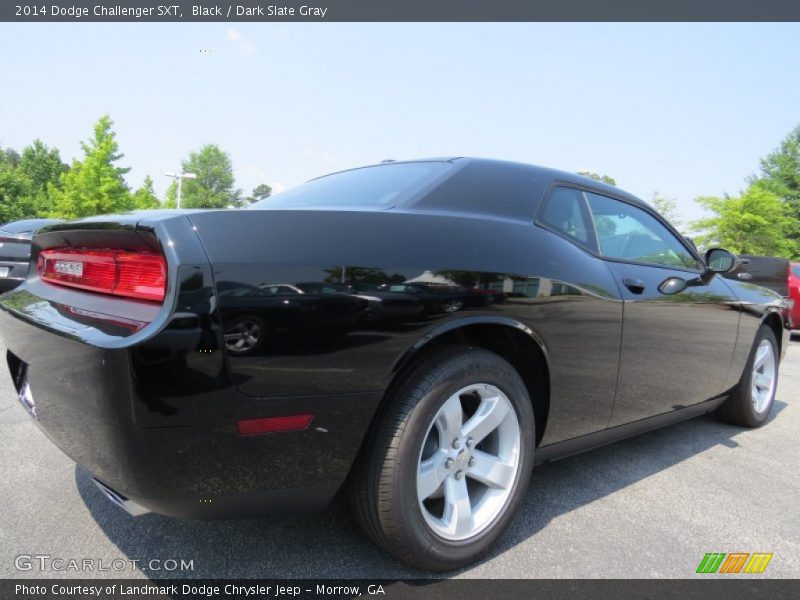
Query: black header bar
(732, 588)
(400, 10)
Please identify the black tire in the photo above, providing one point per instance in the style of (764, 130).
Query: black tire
(739, 408)
(256, 324)
(384, 483)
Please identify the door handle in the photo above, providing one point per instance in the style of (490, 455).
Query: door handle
(636, 286)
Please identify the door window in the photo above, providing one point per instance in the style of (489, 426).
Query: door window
(630, 233)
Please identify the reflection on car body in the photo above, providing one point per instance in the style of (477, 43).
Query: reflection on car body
(434, 299)
(251, 314)
(382, 306)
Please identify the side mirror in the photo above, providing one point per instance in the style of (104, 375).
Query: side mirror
(719, 260)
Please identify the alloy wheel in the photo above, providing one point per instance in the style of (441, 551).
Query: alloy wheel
(243, 336)
(763, 379)
(469, 462)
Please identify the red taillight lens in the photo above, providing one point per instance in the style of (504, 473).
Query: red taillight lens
(141, 275)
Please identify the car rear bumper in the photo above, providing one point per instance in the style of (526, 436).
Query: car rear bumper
(309, 499)
(155, 420)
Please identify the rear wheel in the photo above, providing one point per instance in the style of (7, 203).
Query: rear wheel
(449, 461)
(453, 306)
(751, 401)
(245, 335)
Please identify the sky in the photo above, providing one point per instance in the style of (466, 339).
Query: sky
(681, 109)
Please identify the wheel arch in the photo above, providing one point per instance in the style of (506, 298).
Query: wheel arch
(514, 341)
(774, 321)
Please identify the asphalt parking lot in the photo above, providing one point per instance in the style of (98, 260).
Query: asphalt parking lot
(651, 506)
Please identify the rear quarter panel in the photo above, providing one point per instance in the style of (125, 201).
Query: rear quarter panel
(565, 298)
(152, 411)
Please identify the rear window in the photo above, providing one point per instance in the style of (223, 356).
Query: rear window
(796, 270)
(381, 186)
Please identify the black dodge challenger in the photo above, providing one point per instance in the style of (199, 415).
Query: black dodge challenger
(610, 324)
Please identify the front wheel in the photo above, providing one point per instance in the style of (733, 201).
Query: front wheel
(447, 466)
(751, 401)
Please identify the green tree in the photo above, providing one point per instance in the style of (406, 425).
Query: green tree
(605, 226)
(94, 185)
(356, 275)
(668, 207)
(9, 158)
(755, 222)
(42, 165)
(260, 192)
(145, 197)
(214, 186)
(171, 197)
(597, 177)
(781, 170)
(17, 191)
(17, 195)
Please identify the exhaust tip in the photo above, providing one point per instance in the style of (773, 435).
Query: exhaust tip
(129, 506)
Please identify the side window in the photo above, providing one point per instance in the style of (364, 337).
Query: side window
(562, 212)
(630, 233)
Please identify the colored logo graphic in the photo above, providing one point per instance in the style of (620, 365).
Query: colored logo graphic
(734, 562)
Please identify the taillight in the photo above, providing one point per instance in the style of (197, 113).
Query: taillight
(141, 275)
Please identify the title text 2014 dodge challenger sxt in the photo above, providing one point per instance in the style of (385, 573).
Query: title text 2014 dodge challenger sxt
(421, 333)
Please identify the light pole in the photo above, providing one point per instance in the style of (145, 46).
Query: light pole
(180, 177)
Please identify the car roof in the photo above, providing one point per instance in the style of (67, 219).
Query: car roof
(478, 187)
(549, 174)
(499, 188)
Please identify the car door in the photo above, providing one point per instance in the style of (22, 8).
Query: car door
(677, 342)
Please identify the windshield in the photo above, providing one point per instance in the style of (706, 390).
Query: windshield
(796, 270)
(381, 186)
